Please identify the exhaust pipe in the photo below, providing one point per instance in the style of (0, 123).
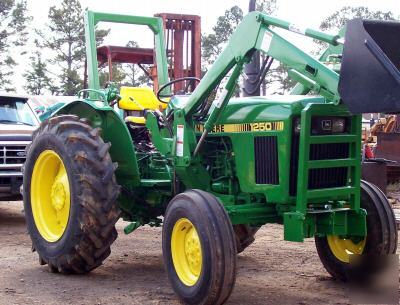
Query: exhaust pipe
(252, 69)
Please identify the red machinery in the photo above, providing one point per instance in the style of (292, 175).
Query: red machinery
(183, 45)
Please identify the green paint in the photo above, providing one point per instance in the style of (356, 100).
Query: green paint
(225, 163)
(114, 130)
(92, 19)
(131, 227)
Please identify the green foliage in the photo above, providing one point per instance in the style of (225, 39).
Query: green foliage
(338, 19)
(125, 74)
(65, 38)
(266, 6)
(280, 79)
(118, 75)
(13, 22)
(134, 76)
(37, 79)
(213, 43)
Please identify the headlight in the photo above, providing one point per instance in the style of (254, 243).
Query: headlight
(296, 125)
(338, 125)
(328, 125)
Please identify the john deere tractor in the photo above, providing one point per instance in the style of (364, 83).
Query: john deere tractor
(211, 170)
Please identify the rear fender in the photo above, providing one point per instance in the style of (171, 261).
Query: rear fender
(115, 131)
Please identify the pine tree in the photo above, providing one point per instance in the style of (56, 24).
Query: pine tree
(13, 22)
(37, 78)
(339, 18)
(118, 75)
(65, 37)
(279, 81)
(135, 77)
(336, 21)
(213, 43)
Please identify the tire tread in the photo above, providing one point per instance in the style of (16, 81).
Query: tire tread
(97, 194)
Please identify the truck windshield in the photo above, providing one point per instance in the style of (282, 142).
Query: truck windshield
(16, 111)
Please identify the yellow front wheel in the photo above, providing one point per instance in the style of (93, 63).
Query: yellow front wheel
(70, 195)
(336, 252)
(343, 248)
(186, 251)
(199, 248)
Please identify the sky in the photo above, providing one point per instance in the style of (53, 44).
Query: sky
(306, 13)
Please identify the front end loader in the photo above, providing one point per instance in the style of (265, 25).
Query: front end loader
(211, 170)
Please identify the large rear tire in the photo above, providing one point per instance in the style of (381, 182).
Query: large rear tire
(381, 239)
(245, 236)
(199, 248)
(70, 195)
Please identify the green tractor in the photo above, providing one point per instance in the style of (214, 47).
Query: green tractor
(213, 171)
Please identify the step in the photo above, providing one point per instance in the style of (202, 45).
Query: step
(331, 163)
(326, 139)
(155, 182)
(329, 192)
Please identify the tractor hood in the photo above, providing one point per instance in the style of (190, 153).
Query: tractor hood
(261, 109)
(258, 108)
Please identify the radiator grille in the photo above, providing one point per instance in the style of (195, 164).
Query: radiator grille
(329, 151)
(321, 177)
(327, 177)
(266, 160)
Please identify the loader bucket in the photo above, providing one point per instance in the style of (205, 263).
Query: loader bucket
(370, 76)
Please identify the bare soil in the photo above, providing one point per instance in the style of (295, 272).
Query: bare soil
(271, 271)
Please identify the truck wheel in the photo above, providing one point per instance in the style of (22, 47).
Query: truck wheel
(70, 195)
(381, 238)
(244, 236)
(199, 248)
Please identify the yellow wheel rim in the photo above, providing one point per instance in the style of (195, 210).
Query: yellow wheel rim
(342, 248)
(186, 252)
(50, 196)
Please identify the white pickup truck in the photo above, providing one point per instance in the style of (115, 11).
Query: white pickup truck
(17, 123)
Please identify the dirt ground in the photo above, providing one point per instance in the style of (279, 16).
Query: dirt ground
(271, 271)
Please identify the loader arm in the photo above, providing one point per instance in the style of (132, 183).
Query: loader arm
(255, 33)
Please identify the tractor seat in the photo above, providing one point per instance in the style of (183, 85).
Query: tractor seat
(135, 100)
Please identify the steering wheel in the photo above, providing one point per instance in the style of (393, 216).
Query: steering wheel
(190, 79)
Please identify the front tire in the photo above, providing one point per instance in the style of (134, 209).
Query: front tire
(70, 195)
(199, 248)
(381, 239)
